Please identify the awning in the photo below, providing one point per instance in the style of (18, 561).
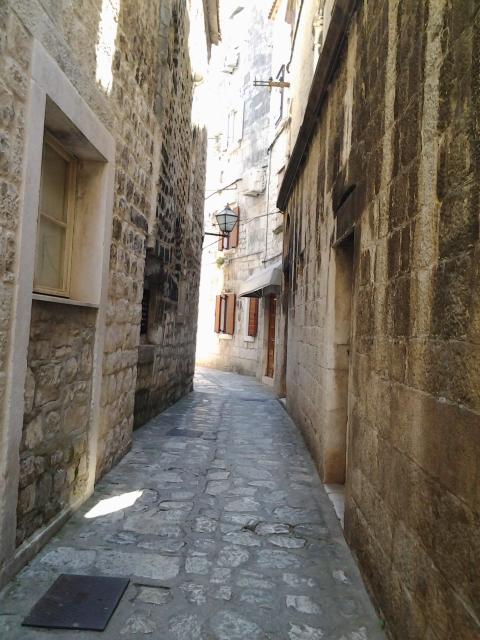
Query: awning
(263, 282)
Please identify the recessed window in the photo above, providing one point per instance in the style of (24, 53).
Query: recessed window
(145, 312)
(225, 313)
(55, 221)
(253, 317)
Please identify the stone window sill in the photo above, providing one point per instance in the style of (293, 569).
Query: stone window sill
(75, 303)
(248, 339)
(225, 336)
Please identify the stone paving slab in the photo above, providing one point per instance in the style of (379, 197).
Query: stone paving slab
(227, 535)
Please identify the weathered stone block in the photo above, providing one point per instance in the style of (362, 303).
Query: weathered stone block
(30, 469)
(58, 480)
(44, 489)
(71, 368)
(48, 384)
(29, 391)
(75, 418)
(26, 500)
(33, 432)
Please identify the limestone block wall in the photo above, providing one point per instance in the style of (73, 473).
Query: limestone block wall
(172, 270)
(108, 54)
(58, 389)
(400, 124)
(133, 95)
(15, 47)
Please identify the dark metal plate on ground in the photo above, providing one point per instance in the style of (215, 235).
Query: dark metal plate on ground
(185, 433)
(77, 602)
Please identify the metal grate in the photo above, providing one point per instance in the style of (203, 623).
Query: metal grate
(77, 602)
(145, 308)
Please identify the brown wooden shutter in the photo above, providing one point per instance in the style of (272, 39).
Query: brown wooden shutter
(231, 305)
(218, 311)
(234, 232)
(253, 317)
(220, 243)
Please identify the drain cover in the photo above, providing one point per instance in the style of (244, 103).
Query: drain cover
(185, 433)
(77, 602)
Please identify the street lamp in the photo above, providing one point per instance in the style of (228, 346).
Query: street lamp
(226, 219)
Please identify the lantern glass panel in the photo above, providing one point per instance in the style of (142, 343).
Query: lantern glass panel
(227, 219)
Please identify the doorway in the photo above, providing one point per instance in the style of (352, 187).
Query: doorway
(272, 303)
(339, 329)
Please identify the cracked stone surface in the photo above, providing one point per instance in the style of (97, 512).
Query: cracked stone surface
(231, 535)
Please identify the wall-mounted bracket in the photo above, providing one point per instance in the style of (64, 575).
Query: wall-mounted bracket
(270, 83)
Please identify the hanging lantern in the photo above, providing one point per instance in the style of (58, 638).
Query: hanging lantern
(227, 219)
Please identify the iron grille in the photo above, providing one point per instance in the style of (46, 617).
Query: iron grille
(145, 307)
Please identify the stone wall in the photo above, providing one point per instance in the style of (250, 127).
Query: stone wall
(15, 45)
(134, 90)
(131, 67)
(58, 390)
(393, 166)
(172, 273)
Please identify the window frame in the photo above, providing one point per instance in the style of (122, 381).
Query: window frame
(225, 308)
(280, 78)
(70, 190)
(247, 336)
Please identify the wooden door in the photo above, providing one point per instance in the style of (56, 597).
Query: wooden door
(271, 336)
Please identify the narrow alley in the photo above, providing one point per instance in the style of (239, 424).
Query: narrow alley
(219, 519)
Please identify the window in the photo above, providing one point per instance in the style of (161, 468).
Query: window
(253, 317)
(230, 240)
(277, 97)
(225, 313)
(145, 312)
(55, 220)
(231, 128)
(250, 319)
(234, 127)
(224, 242)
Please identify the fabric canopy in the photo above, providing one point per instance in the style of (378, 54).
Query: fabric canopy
(263, 282)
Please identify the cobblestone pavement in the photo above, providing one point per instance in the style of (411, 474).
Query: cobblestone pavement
(222, 526)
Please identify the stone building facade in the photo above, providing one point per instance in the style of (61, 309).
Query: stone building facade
(98, 95)
(246, 156)
(380, 303)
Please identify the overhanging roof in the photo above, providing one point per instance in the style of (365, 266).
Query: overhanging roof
(266, 281)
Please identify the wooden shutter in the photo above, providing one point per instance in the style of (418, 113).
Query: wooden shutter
(253, 317)
(231, 299)
(234, 233)
(218, 311)
(220, 243)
